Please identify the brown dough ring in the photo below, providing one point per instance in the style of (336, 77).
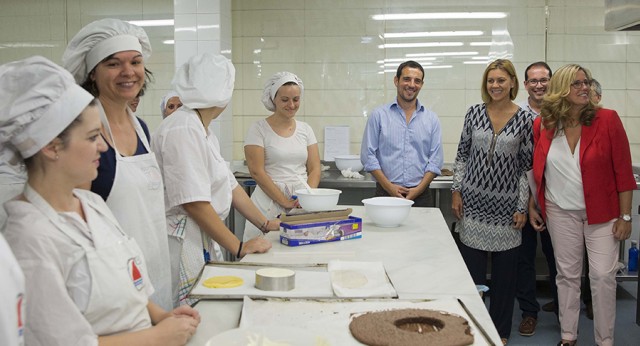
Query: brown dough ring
(382, 328)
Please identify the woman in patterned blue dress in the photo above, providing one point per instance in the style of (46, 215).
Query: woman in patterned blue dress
(490, 189)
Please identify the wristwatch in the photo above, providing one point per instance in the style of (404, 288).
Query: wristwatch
(625, 217)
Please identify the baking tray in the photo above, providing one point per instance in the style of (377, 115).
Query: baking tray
(312, 282)
(329, 319)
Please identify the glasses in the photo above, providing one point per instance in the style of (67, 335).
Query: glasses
(580, 83)
(542, 81)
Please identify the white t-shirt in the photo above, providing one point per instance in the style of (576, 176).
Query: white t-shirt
(285, 157)
(56, 268)
(563, 177)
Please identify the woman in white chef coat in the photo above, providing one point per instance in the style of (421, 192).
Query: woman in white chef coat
(200, 187)
(280, 148)
(87, 281)
(107, 58)
(12, 302)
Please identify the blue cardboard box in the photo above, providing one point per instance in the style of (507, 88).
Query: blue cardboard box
(320, 232)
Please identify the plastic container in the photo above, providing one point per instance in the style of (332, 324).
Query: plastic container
(319, 200)
(349, 161)
(633, 256)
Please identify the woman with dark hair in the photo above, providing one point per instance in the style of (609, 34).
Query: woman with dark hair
(107, 58)
(582, 168)
(490, 188)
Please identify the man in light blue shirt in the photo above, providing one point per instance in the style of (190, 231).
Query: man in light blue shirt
(402, 143)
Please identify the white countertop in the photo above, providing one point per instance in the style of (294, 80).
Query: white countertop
(420, 257)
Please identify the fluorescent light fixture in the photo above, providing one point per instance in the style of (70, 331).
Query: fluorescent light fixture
(169, 42)
(395, 64)
(480, 58)
(26, 45)
(152, 22)
(440, 15)
(431, 34)
(483, 62)
(425, 67)
(420, 45)
(404, 59)
(480, 44)
(416, 55)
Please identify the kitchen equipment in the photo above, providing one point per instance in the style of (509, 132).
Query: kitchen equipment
(348, 161)
(304, 182)
(387, 211)
(275, 279)
(313, 232)
(318, 199)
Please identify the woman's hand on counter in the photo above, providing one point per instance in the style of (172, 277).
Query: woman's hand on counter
(456, 204)
(255, 245)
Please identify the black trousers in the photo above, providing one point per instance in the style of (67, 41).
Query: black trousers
(424, 200)
(504, 265)
(526, 286)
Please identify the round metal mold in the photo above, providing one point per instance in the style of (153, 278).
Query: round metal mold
(275, 279)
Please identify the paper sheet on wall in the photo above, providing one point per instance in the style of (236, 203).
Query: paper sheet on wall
(336, 141)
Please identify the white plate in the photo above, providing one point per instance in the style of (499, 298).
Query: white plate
(268, 336)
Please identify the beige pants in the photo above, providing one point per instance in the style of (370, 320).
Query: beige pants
(569, 230)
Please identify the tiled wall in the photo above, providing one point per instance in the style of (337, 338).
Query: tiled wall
(333, 46)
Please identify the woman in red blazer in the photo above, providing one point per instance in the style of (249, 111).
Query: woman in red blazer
(582, 167)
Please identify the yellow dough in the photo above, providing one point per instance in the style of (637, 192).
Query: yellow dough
(226, 281)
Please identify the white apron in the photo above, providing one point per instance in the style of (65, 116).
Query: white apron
(12, 302)
(195, 245)
(137, 201)
(117, 301)
(268, 207)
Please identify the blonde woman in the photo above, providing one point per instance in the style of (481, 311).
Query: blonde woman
(582, 168)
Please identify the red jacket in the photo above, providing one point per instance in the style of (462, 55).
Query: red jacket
(605, 162)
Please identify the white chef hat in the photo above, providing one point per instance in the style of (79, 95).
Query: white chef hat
(165, 99)
(274, 83)
(38, 99)
(205, 81)
(99, 39)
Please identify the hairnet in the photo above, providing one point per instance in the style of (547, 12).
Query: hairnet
(205, 81)
(165, 99)
(98, 40)
(274, 83)
(39, 99)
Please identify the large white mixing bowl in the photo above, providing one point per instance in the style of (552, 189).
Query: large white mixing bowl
(387, 211)
(319, 200)
(348, 161)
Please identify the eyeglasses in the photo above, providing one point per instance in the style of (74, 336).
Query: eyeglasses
(542, 81)
(580, 83)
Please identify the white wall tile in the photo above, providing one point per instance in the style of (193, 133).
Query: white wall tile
(206, 46)
(186, 27)
(208, 27)
(208, 6)
(185, 6)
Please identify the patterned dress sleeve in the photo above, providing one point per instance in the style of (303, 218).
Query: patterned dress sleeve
(464, 148)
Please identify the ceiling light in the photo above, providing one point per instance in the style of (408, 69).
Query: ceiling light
(404, 59)
(152, 22)
(420, 45)
(415, 55)
(431, 34)
(440, 15)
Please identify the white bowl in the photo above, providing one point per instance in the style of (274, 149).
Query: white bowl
(349, 161)
(387, 211)
(319, 200)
